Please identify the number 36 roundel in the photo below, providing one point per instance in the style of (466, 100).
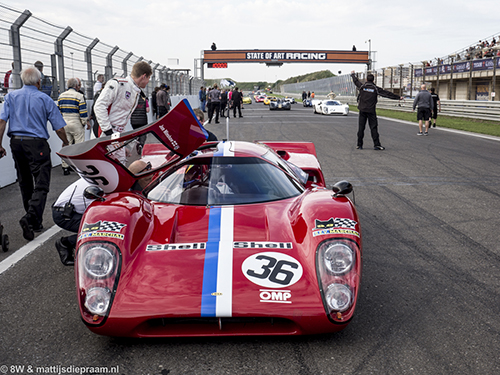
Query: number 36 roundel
(272, 270)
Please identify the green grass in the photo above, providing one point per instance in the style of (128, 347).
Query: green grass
(459, 123)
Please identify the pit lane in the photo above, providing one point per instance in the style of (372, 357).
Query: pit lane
(429, 303)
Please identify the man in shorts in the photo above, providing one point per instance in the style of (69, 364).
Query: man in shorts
(425, 103)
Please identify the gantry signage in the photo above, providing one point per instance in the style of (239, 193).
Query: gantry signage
(285, 56)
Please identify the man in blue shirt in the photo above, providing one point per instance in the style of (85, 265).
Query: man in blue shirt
(202, 95)
(27, 110)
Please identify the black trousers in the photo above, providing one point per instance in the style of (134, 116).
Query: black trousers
(162, 111)
(222, 109)
(71, 224)
(33, 166)
(213, 108)
(372, 122)
(237, 106)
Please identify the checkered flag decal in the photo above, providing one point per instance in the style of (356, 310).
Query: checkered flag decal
(344, 223)
(111, 226)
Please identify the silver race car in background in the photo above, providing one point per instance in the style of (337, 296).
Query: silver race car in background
(330, 107)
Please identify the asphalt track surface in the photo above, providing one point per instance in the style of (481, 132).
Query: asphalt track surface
(429, 304)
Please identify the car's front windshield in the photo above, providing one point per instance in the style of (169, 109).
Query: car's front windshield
(224, 181)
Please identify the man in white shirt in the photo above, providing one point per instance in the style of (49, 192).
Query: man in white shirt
(98, 84)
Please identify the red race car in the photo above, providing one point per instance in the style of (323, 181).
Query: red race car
(260, 98)
(229, 238)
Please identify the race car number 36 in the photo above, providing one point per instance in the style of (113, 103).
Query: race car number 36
(272, 270)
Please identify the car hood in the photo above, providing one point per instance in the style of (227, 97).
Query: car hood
(216, 261)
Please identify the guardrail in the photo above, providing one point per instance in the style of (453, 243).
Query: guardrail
(479, 110)
(65, 53)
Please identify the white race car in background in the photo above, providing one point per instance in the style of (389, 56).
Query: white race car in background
(329, 107)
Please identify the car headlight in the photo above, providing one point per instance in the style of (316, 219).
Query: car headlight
(338, 297)
(97, 300)
(98, 265)
(338, 266)
(338, 258)
(99, 262)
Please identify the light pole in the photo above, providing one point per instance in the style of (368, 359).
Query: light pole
(411, 80)
(400, 79)
(369, 41)
(72, 69)
(450, 96)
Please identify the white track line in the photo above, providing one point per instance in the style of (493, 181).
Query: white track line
(27, 249)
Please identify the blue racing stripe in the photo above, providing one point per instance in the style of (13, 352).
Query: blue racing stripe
(208, 300)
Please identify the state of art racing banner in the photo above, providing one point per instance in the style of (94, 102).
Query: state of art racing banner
(286, 56)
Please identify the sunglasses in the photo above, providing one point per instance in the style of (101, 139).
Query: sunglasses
(146, 168)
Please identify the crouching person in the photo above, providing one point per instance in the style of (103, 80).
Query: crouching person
(67, 213)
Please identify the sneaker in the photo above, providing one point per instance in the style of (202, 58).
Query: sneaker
(66, 171)
(359, 147)
(434, 125)
(27, 231)
(426, 133)
(379, 148)
(420, 133)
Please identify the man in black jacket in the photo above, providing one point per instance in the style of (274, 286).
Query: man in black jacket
(237, 100)
(367, 101)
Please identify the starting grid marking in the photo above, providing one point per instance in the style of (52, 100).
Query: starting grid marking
(28, 248)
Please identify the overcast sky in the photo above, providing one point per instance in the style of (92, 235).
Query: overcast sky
(400, 32)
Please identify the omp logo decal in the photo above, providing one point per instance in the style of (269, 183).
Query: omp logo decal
(177, 246)
(272, 270)
(262, 245)
(275, 296)
(335, 226)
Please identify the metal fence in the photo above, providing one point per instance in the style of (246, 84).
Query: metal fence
(66, 53)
